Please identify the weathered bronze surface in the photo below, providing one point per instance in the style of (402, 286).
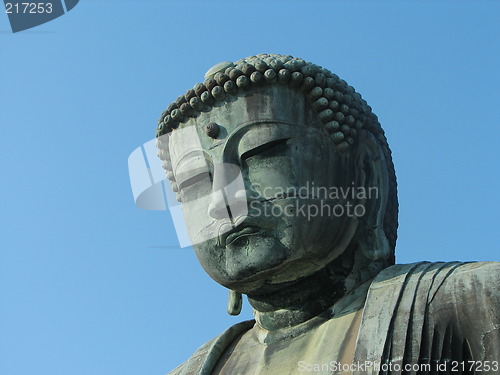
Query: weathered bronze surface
(322, 283)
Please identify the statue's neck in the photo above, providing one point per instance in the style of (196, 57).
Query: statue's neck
(297, 303)
(307, 298)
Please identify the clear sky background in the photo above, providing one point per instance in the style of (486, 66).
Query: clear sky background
(92, 285)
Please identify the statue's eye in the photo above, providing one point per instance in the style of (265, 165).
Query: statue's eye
(268, 148)
(192, 169)
(196, 187)
(193, 180)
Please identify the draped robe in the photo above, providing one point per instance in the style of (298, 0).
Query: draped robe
(421, 318)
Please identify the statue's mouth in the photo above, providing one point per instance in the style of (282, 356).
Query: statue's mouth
(237, 233)
(243, 226)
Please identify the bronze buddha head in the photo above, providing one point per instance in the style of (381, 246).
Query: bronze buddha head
(283, 171)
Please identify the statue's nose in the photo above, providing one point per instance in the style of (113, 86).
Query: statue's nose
(229, 197)
(218, 208)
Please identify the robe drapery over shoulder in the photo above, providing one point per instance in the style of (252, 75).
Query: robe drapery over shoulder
(421, 318)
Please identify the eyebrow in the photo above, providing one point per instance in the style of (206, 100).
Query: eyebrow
(249, 123)
(216, 145)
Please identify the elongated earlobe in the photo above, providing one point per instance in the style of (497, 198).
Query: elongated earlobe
(375, 245)
(372, 174)
(234, 303)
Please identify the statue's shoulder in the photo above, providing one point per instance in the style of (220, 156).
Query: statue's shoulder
(452, 270)
(477, 270)
(205, 357)
(441, 278)
(477, 280)
(430, 298)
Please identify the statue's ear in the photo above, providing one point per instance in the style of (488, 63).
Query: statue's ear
(372, 178)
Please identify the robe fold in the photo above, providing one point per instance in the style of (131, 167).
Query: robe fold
(421, 318)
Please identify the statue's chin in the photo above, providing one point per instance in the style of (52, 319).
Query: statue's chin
(261, 264)
(250, 259)
(247, 262)
(257, 260)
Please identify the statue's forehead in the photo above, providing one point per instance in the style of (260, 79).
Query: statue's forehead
(267, 104)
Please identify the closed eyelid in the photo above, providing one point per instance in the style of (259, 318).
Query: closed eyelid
(191, 165)
(192, 178)
(263, 147)
(259, 139)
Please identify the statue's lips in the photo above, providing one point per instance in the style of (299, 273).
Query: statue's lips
(234, 235)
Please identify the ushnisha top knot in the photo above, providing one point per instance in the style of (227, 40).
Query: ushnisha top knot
(339, 106)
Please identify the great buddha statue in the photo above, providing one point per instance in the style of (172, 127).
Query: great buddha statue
(289, 194)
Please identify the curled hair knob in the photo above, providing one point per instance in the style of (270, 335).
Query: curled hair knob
(212, 130)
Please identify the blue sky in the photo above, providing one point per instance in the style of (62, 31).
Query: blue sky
(89, 283)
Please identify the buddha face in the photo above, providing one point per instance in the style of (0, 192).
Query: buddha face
(255, 198)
